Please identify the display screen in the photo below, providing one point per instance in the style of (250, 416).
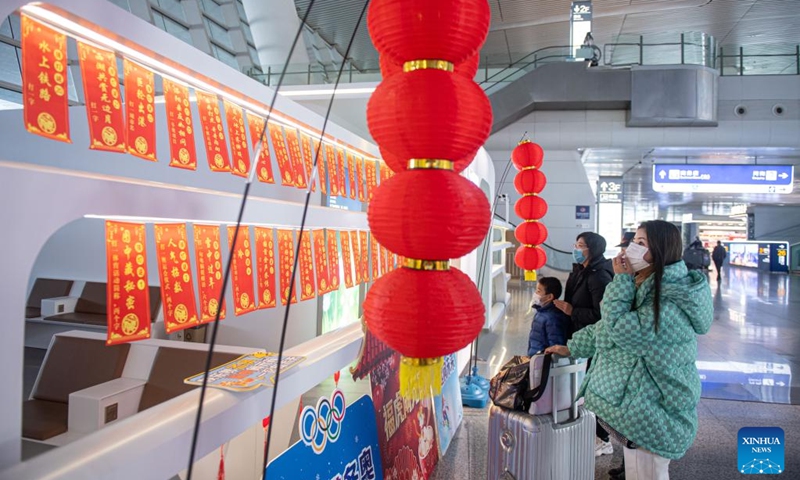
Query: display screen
(744, 254)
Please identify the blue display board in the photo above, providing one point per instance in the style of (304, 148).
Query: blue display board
(337, 443)
(448, 405)
(723, 178)
(767, 256)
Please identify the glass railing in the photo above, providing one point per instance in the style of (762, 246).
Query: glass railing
(759, 60)
(690, 48)
(558, 259)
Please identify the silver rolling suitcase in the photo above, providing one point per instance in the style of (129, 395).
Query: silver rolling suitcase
(558, 446)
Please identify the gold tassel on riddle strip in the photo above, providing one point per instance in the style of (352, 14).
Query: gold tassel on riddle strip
(420, 378)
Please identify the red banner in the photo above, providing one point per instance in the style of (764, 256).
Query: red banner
(308, 158)
(321, 261)
(351, 174)
(364, 247)
(44, 80)
(375, 254)
(265, 252)
(209, 269)
(356, 257)
(141, 128)
(242, 271)
(175, 272)
(282, 154)
(240, 157)
(213, 131)
(296, 157)
(306, 268)
(263, 162)
(347, 259)
(103, 100)
(393, 262)
(128, 297)
(321, 177)
(181, 131)
(384, 256)
(360, 179)
(372, 178)
(333, 170)
(286, 258)
(340, 166)
(333, 261)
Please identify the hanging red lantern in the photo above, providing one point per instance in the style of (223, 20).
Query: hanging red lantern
(454, 227)
(531, 232)
(429, 114)
(530, 258)
(530, 180)
(450, 30)
(530, 207)
(527, 154)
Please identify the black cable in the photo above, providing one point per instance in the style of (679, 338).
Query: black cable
(226, 277)
(300, 237)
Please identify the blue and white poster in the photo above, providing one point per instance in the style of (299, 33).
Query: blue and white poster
(761, 451)
(337, 442)
(449, 410)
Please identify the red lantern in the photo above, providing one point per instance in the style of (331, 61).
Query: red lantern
(531, 233)
(527, 154)
(531, 207)
(530, 258)
(400, 164)
(424, 314)
(530, 181)
(449, 30)
(452, 222)
(467, 69)
(429, 114)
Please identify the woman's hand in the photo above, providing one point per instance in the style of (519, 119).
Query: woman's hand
(558, 350)
(563, 306)
(622, 265)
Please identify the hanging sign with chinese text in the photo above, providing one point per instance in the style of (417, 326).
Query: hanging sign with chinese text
(265, 252)
(307, 290)
(181, 131)
(140, 109)
(175, 272)
(103, 100)
(242, 270)
(263, 162)
(240, 157)
(208, 254)
(128, 296)
(296, 157)
(286, 259)
(213, 131)
(333, 261)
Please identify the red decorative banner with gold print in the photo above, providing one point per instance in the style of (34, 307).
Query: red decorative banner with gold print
(103, 100)
(265, 252)
(209, 268)
(263, 162)
(340, 166)
(351, 163)
(286, 259)
(296, 157)
(306, 268)
(44, 80)
(181, 131)
(240, 157)
(333, 170)
(375, 255)
(360, 179)
(282, 154)
(347, 259)
(384, 255)
(393, 262)
(321, 177)
(308, 159)
(364, 246)
(213, 131)
(321, 261)
(356, 258)
(372, 178)
(128, 297)
(333, 261)
(242, 271)
(175, 272)
(140, 134)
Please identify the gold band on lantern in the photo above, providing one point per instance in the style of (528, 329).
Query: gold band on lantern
(428, 65)
(529, 195)
(528, 168)
(530, 221)
(430, 164)
(427, 265)
(524, 141)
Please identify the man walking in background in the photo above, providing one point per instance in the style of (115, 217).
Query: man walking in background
(718, 255)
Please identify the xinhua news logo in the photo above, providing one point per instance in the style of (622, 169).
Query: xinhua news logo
(761, 450)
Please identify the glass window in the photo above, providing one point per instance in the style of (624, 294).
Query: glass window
(11, 27)
(10, 58)
(218, 33)
(212, 8)
(240, 8)
(172, 27)
(225, 56)
(122, 4)
(172, 7)
(253, 55)
(10, 100)
(248, 34)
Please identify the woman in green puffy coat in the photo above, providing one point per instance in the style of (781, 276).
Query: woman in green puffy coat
(643, 383)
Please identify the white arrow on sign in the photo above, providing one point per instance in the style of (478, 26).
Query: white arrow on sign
(662, 174)
(780, 384)
(784, 175)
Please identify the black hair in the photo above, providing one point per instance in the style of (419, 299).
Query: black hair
(551, 285)
(595, 242)
(665, 244)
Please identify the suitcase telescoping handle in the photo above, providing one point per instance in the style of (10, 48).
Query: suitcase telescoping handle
(573, 369)
(534, 394)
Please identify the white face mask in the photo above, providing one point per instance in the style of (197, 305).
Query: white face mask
(537, 299)
(635, 254)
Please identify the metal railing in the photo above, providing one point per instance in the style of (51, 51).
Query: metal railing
(690, 48)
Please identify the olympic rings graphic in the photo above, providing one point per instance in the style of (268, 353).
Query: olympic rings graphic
(323, 423)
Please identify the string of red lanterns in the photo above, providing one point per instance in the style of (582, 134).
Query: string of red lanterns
(529, 182)
(429, 118)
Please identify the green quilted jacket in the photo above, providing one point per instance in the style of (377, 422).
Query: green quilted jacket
(645, 384)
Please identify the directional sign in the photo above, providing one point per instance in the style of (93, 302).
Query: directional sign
(723, 178)
(610, 190)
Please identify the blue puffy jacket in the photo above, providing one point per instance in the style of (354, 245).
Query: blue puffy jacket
(550, 327)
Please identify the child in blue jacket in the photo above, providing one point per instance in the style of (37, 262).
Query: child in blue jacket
(550, 325)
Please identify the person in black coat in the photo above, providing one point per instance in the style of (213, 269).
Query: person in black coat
(719, 255)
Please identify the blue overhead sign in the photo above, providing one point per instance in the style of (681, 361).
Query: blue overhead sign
(723, 178)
